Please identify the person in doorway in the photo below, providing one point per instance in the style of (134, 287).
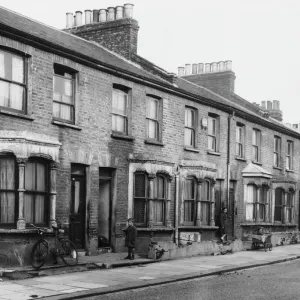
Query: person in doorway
(224, 224)
(131, 234)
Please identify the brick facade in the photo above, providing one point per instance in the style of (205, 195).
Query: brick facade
(90, 142)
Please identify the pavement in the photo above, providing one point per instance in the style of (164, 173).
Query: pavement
(141, 273)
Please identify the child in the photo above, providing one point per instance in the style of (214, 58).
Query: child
(131, 234)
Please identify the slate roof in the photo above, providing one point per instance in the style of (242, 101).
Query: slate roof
(64, 40)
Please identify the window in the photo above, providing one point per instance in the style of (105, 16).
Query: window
(279, 200)
(205, 203)
(251, 200)
(190, 127)
(159, 200)
(189, 200)
(153, 118)
(289, 206)
(120, 110)
(277, 147)
(213, 132)
(12, 81)
(7, 191)
(257, 199)
(36, 193)
(256, 135)
(142, 194)
(240, 140)
(289, 155)
(64, 94)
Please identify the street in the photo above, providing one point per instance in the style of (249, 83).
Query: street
(279, 281)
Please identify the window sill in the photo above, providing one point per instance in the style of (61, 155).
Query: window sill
(213, 153)
(191, 149)
(240, 159)
(149, 229)
(290, 171)
(277, 168)
(257, 163)
(122, 137)
(268, 224)
(153, 142)
(199, 227)
(61, 124)
(17, 115)
(25, 231)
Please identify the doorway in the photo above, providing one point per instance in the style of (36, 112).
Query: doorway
(78, 205)
(231, 208)
(105, 207)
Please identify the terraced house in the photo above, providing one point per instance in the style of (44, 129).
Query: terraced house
(91, 133)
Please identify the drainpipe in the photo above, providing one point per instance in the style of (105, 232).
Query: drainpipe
(176, 206)
(228, 165)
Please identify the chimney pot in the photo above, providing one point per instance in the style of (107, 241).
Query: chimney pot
(200, 68)
(128, 10)
(269, 105)
(187, 69)
(180, 71)
(102, 15)
(207, 68)
(78, 20)
(221, 66)
(214, 67)
(111, 14)
(96, 15)
(69, 19)
(194, 69)
(119, 12)
(228, 65)
(88, 16)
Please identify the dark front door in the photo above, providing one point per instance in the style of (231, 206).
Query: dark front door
(78, 207)
(231, 209)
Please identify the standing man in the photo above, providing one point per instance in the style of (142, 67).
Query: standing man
(224, 224)
(131, 234)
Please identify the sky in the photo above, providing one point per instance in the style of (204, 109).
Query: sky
(261, 37)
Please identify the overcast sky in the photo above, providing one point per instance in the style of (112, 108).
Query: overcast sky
(261, 37)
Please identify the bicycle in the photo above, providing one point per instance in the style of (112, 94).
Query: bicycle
(63, 248)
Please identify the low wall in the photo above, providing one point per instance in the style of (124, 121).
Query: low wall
(195, 249)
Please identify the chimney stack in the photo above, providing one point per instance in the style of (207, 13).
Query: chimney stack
(187, 69)
(180, 71)
(107, 27)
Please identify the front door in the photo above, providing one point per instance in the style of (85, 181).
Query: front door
(231, 209)
(78, 207)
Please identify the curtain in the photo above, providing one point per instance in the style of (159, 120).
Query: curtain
(251, 199)
(152, 110)
(28, 208)
(152, 129)
(30, 176)
(18, 69)
(189, 210)
(119, 123)
(204, 212)
(4, 93)
(16, 96)
(158, 211)
(39, 209)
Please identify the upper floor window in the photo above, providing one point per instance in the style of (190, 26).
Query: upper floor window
(64, 94)
(213, 132)
(256, 136)
(240, 129)
(277, 150)
(289, 155)
(12, 81)
(190, 127)
(153, 112)
(120, 110)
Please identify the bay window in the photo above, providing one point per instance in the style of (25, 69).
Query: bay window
(12, 81)
(251, 200)
(189, 201)
(279, 202)
(290, 206)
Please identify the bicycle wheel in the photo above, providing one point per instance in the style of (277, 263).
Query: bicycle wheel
(69, 255)
(39, 253)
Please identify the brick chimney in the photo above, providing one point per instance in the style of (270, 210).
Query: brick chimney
(114, 28)
(218, 77)
(273, 108)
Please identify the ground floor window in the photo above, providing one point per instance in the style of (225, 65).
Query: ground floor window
(279, 201)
